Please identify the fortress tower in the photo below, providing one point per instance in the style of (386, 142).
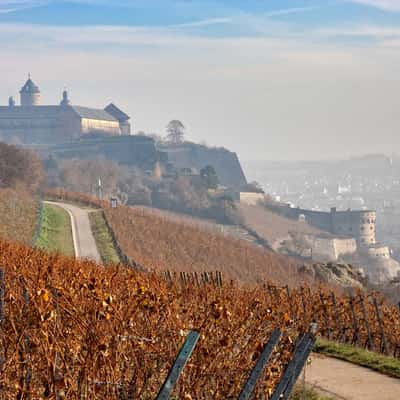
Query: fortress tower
(30, 94)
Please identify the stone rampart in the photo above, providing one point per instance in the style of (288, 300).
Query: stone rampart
(360, 224)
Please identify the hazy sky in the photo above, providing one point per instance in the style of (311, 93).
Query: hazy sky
(273, 79)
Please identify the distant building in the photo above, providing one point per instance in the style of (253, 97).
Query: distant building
(359, 224)
(33, 123)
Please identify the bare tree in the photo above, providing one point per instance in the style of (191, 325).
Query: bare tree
(175, 131)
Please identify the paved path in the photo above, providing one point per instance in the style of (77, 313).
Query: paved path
(343, 380)
(84, 242)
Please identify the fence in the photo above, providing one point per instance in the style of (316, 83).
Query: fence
(190, 278)
(356, 319)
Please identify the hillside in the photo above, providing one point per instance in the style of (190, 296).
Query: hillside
(271, 226)
(159, 243)
(21, 174)
(69, 327)
(18, 216)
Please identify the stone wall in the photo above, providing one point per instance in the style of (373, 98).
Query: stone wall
(359, 224)
(378, 252)
(38, 125)
(331, 249)
(136, 151)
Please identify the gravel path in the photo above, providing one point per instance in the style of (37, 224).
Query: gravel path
(84, 242)
(343, 380)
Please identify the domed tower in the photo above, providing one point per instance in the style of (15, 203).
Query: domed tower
(30, 94)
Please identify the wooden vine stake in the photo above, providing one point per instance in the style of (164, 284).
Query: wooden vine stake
(179, 364)
(295, 366)
(356, 327)
(24, 354)
(384, 346)
(337, 317)
(260, 366)
(325, 314)
(364, 312)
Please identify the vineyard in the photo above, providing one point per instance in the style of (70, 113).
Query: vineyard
(77, 330)
(157, 243)
(17, 216)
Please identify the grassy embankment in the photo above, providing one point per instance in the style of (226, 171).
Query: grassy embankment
(56, 233)
(103, 238)
(377, 362)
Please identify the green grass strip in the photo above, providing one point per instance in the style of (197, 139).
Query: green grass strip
(307, 393)
(103, 238)
(378, 362)
(55, 233)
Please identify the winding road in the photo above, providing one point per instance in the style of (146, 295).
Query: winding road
(82, 235)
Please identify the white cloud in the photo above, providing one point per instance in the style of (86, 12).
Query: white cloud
(294, 10)
(389, 5)
(9, 6)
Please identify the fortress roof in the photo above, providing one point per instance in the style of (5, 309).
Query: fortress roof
(30, 87)
(117, 112)
(93, 113)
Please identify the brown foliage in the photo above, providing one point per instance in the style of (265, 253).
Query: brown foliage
(19, 168)
(86, 331)
(159, 243)
(17, 216)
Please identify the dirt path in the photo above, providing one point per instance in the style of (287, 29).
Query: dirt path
(342, 380)
(84, 242)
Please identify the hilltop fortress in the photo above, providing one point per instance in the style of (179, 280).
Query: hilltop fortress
(33, 123)
(70, 131)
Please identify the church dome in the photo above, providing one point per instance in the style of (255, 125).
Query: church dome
(30, 87)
